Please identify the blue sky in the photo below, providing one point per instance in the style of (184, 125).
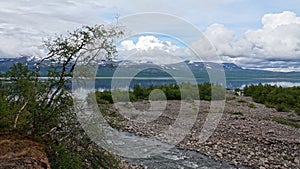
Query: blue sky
(251, 33)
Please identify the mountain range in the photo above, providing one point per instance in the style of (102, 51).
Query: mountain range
(236, 76)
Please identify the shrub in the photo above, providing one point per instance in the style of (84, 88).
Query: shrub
(251, 105)
(269, 105)
(63, 159)
(297, 111)
(282, 108)
(4, 124)
(283, 99)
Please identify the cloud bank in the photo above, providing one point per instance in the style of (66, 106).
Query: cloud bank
(275, 46)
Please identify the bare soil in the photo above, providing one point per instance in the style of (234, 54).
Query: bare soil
(22, 154)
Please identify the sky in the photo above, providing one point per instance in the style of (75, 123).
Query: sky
(250, 33)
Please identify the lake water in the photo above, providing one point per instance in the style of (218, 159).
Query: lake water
(231, 83)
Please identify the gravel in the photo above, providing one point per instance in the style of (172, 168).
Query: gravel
(246, 135)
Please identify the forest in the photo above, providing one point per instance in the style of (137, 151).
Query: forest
(272, 96)
(183, 91)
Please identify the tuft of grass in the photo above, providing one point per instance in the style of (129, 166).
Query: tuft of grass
(251, 105)
(297, 111)
(113, 118)
(286, 122)
(242, 101)
(236, 113)
(269, 105)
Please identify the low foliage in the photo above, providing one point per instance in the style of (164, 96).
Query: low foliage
(251, 105)
(283, 99)
(286, 122)
(184, 91)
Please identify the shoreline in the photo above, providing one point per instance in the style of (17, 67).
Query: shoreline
(246, 135)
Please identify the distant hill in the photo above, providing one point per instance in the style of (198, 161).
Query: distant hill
(6, 63)
(236, 76)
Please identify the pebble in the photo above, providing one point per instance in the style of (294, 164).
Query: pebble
(250, 141)
(297, 161)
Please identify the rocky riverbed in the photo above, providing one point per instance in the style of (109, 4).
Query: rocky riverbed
(248, 134)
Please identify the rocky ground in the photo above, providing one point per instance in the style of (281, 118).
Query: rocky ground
(248, 134)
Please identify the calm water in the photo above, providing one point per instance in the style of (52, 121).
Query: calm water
(231, 83)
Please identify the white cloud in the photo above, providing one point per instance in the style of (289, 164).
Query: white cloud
(24, 24)
(277, 43)
(150, 48)
(221, 37)
(128, 45)
(279, 38)
(19, 18)
(272, 21)
(149, 43)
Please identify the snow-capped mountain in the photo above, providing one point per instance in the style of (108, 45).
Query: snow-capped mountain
(6, 63)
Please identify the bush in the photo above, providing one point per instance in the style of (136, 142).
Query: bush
(297, 111)
(283, 99)
(63, 159)
(282, 108)
(4, 124)
(269, 105)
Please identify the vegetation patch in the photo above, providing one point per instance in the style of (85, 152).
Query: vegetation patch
(184, 91)
(286, 122)
(236, 113)
(251, 105)
(282, 99)
(113, 118)
(242, 101)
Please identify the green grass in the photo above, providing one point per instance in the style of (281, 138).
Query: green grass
(242, 101)
(286, 122)
(113, 118)
(251, 105)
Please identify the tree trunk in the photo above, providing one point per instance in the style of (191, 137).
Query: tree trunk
(18, 114)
